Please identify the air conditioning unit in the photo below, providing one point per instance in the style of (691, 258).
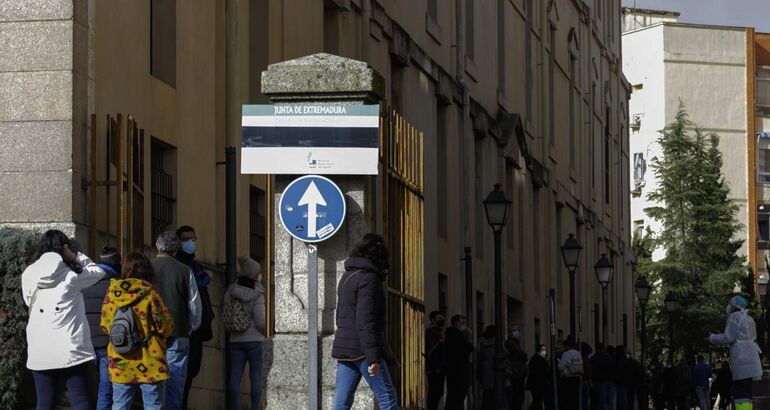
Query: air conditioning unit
(636, 121)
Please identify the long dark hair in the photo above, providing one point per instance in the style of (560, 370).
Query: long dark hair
(55, 241)
(372, 247)
(137, 266)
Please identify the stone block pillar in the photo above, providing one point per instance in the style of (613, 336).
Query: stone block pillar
(319, 78)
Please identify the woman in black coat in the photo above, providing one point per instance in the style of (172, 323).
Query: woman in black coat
(359, 346)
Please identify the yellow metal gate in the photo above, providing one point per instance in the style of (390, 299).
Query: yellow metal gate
(401, 157)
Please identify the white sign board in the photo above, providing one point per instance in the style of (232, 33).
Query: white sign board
(310, 139)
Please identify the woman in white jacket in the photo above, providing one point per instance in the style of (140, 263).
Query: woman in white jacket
(58, 337)
(741, 334)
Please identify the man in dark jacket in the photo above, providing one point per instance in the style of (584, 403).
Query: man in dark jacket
(518, 362)
(188, 241)
(358, 346)
(93, 297)
(435, 359)
(458, 367)
(538, 379)
(603, 367)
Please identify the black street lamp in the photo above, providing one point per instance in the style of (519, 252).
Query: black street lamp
(643, 294)
(672, 304)
(603, 270)
(570, 251)
(496, 207)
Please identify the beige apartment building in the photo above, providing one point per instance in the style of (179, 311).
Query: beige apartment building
(525, 93)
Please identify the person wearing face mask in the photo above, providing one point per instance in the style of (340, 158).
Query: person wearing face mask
(537, 381)
(359, 346)
(518, 362)
(740, 334)
(188, 244)
(435, 363)
(458, 368)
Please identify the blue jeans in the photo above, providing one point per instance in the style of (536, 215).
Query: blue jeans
(240, 353)
(177, 354)
(349, 375)
(104, 401)
(604, 396)
(152, 395)
(76, 379)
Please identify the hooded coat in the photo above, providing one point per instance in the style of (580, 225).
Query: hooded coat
(154, 323)
(740, 334)
(360, 314)
(58, 335)
(254, 298)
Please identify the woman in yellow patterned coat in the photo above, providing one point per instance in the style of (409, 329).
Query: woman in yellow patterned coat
(145, 367)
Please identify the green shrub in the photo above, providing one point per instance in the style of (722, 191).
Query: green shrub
(15, 248)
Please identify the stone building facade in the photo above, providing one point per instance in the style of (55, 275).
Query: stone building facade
(463, 72)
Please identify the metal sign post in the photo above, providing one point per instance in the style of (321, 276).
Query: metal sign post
(312, 209)
(312, 325)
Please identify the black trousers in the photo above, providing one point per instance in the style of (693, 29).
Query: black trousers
(516, 395)
(538, 399)
(435, 389)
(193, 364)
(457, 389)
(569, 393)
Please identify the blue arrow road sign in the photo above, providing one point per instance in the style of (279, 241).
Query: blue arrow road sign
(312, 208)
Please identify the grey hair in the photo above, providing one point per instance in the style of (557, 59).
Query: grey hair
(167, 242)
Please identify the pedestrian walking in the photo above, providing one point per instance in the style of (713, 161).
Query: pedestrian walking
(570, 369)
(656, 387)
(723, 385)
(458, 365)
(188, 241)
(139, 324)
(485, 372)
(538, 378)
(59, 345)
(670, 385)
(176, 284)
(93, 297)
(740, 334)
(603, 366)
(246, 340)
(702, 379)
(585, 352)
(517, 360)
(636, 389)
(358, 343)
(685, 385)
(435, 355)
(621, 378)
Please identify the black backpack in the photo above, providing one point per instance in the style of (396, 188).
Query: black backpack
(124, 335)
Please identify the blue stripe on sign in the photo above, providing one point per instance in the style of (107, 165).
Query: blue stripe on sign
(256, 137)
(310, 109)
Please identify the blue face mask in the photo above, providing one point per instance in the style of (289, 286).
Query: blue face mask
(189, 246)
(515, 334)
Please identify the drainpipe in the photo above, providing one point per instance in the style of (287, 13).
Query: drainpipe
(463, 126)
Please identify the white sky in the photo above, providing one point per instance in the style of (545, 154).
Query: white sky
(741, 13)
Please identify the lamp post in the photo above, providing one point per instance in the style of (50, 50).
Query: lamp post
(672, 304)
(643, 294)
(570, 252)
(496, 207)
(762, 284)
(603, 270)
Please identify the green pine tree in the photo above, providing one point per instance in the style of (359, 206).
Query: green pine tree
(698, 235)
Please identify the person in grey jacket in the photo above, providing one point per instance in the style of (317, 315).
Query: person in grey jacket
(93, 297)
(246, 347)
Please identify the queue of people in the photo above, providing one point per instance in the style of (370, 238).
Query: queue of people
(141, 323)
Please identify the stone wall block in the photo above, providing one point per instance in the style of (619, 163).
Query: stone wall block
(36, 196)
(27, 10)
(36, 146)
(36, 45)
(36, 96)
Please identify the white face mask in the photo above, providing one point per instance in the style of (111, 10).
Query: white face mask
(461, 328)
(542, 353)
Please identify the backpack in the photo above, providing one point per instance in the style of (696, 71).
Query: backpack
(237, 316)
(124, 334)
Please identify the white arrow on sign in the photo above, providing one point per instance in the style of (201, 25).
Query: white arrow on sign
(312, 198)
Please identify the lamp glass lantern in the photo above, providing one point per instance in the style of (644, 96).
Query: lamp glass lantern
(643, 289)
(570, 251)
(496, 207)
(603, 270)
(762, 283)
(671, 302)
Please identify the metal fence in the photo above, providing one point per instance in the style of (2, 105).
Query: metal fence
(401, 157)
